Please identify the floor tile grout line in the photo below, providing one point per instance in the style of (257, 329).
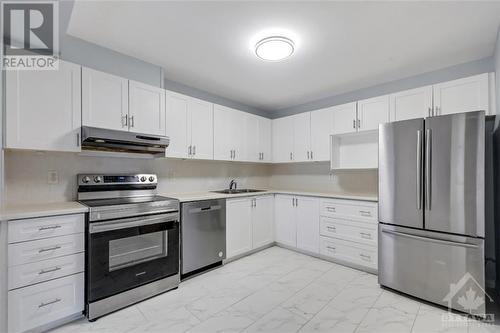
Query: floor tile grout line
(370, 308)
(415, 319)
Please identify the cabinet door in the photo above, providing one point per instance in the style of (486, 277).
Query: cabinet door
(411, 104)
(283, 140)
(372, 112)
(252, 152)
(307, 224)
(302, 137)
(321, 129)
(226, 131)
(463, 95)
(344, 118)
(262, 221)
(265, 138)
(147, 109)
(104, 100)
(177, 125)
(285, 228)
(43, 109)
(238, 226)
(201, 131)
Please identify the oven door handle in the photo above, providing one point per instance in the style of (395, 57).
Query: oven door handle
(132, 222)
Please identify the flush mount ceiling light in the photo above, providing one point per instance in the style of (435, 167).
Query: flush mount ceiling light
(274, 48)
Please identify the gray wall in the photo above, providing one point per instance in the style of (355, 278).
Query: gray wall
(450, 73)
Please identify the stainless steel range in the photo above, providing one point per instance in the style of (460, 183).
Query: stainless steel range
(132, 240)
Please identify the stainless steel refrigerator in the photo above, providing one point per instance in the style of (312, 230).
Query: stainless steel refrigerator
(432, 210)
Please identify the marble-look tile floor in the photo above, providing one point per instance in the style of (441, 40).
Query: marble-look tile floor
(277, 290)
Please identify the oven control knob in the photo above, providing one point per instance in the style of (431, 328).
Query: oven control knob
(151, 179)
(85, 179)
(97, 179)
(143, 178)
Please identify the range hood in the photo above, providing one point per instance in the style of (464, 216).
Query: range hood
(113, 141)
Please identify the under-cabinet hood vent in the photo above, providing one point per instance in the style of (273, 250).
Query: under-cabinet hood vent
(105, 140)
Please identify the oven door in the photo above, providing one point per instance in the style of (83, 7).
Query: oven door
(126, 253)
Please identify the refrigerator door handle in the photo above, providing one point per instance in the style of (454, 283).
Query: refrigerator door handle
(428, 157)
(433, 240)
(419, 169)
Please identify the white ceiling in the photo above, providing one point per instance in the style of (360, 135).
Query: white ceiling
(342, 46)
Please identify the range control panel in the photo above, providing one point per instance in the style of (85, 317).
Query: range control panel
(116, 179)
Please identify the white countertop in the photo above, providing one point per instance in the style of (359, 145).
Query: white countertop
(207, 195)
(24, 211)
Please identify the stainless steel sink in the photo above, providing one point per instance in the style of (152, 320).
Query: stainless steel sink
(240, 191)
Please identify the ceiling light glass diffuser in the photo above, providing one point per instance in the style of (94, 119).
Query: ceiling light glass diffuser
(274, 48)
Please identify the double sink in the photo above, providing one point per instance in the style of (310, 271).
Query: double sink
(240, 191)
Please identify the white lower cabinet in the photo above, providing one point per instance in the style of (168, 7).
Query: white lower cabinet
(297, 222)
(44, 303)
(249, 224)
(349, 252)
(46, 262)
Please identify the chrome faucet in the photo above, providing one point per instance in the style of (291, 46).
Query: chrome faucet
(233, 182)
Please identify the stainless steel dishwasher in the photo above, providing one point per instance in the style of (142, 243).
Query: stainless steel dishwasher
(203, 229)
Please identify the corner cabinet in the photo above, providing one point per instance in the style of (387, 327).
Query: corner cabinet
(43, 109)
(249, 224)
(190, 127)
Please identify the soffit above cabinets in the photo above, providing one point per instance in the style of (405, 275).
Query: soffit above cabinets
(341, 46)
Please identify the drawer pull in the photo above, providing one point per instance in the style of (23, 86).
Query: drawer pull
(365, 235)
(365, 213)
(45, 271)
(365, 257)
(50, 227)
(330, 228)
(330, 248)
(330, 209)
(57, 247)
(49, 303)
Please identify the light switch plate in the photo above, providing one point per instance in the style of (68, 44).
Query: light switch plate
(52, 177)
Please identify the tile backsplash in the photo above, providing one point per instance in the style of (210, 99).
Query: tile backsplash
(29, 176)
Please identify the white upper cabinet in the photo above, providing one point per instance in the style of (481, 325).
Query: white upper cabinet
(265, 139)
(302, 137)
(321, 129)
(307, 217)
(104, 100)
(462, 95)
(177, 125)
(146, 109)
(282, 140)
(372, 112)
(43, 109)
(200, 119)
(229, 134)
(411, 104)
(344, 118)
(252, 151)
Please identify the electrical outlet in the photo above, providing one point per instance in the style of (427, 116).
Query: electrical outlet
(52, 177)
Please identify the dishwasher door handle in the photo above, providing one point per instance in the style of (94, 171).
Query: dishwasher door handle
(204, 209)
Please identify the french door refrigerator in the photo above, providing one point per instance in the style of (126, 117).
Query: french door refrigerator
(432, 175)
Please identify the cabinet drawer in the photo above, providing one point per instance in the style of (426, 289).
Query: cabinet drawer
(42, 249)
(28, 274)
(360, 254)
(350, 209)
(361, 232)
(46, 302)
(44, 227)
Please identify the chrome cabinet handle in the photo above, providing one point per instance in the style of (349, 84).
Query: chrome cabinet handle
(132, 121)
(365, 213)
(57, 247)
(50, 227)
(365, 235)
(125, 120)
(428, 164)
(78, 139)
(296, 202)
(311, 154)
(331, 228)
(45, 271)
(293, 202)
(419, 169)
(194, 150)
(189, 150)
(354, 123)
(308, 157)
(359, 123)
(330, 209)
(49, 303)
(331, 248)
(365, 257)
(291, 156)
